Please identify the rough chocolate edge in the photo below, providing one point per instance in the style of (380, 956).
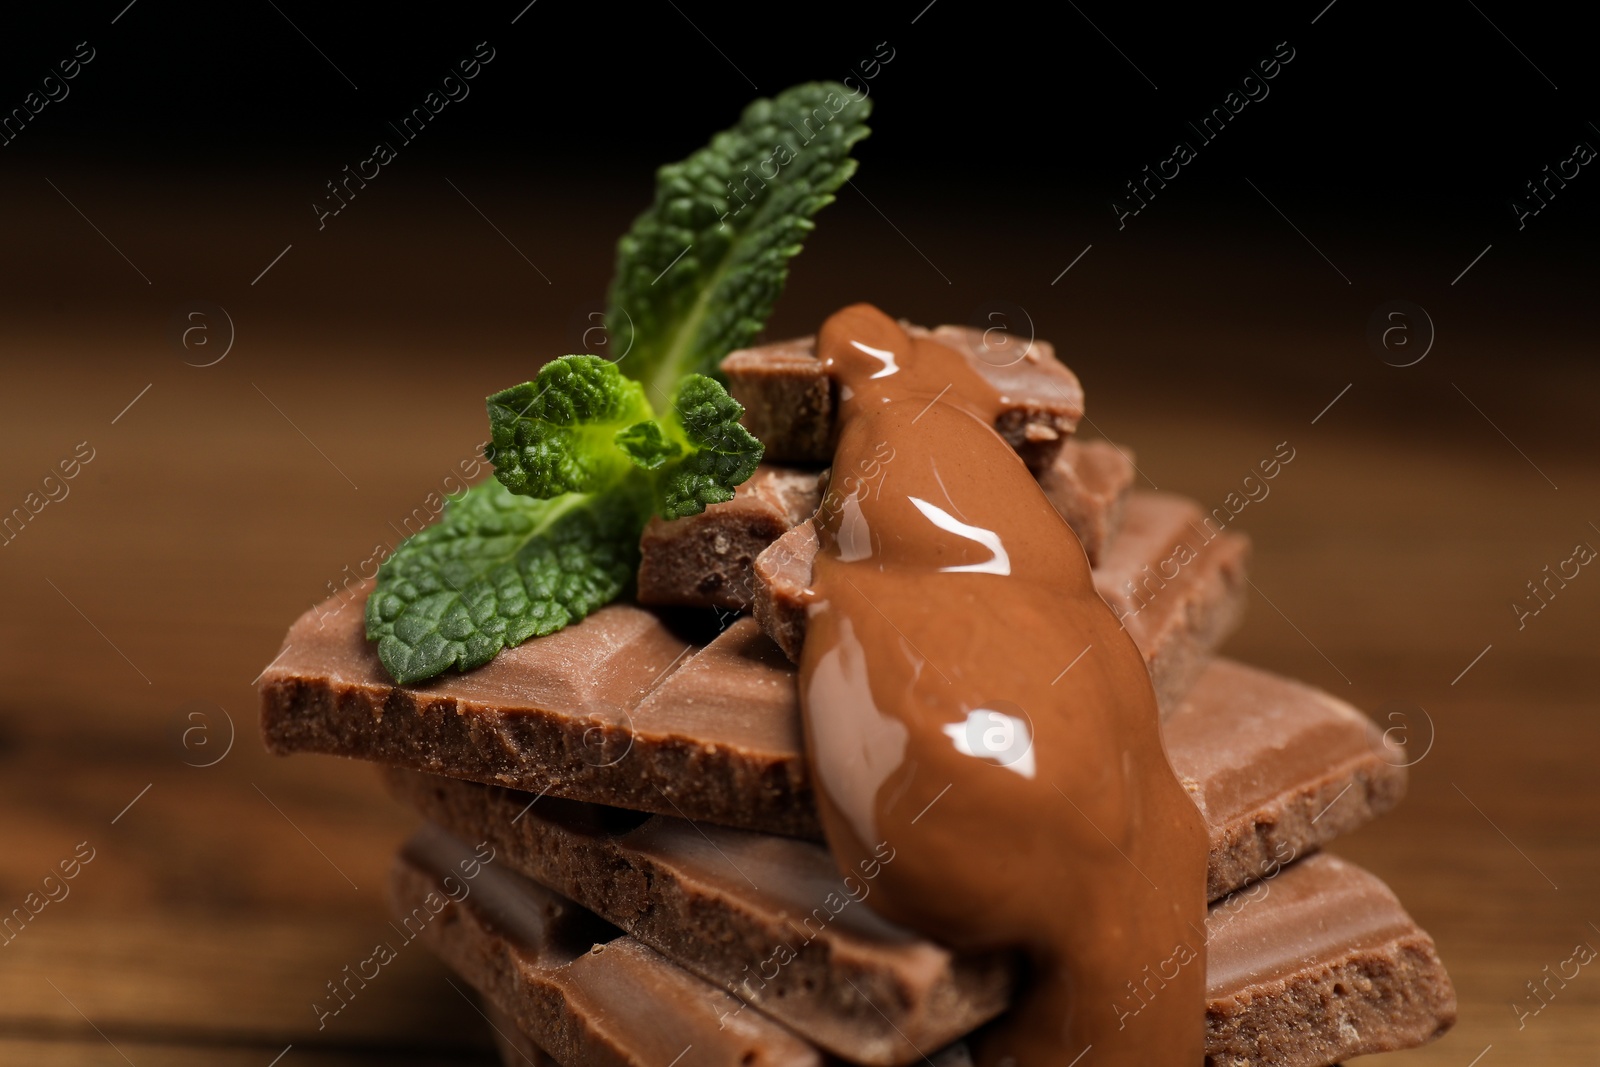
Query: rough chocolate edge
(1290, 825)
(870, 1013)
(708, 567)
(1379, 999)
(778, 607)
(535, 750)
(707, 560)
(788, 401)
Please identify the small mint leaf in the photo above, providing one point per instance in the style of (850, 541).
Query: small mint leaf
(554, 435)
(497, 569)
(720, 453)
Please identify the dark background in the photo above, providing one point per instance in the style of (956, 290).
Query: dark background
(1395, 141)
(1231, 314)
(1395, 114)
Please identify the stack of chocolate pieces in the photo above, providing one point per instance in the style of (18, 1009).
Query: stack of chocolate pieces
(623, 854)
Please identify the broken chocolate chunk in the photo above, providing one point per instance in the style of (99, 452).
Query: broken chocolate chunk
(706, 560)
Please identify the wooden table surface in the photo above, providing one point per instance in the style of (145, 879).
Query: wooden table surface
(221, 501)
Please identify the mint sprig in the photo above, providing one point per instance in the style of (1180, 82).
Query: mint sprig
(581, 427)
(582, 458)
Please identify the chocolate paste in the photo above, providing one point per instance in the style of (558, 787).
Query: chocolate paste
(982, 732)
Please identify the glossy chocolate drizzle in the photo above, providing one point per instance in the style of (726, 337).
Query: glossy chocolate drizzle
(975, 711)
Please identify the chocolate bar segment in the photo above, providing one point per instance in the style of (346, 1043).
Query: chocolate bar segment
(517, 1049)
(727, 738)
(556, 714)
(1276, 767)
(705, 560)
(563, 714)
(583, 993)
(1315, 965)
(783, 587)
(1318, 965)
(1177, 592)
(789, 401)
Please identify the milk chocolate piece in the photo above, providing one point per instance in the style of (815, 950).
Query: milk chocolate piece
(1315, 965)
(583, 993)
(788, 400)
(783, 587)
(1177, 593)
(705, 560)
(1318, 965)
(560, 714)
(791, 405)
(517, 1049)
(1277, 768)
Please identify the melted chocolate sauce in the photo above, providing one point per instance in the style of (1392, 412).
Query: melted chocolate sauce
(975, 713)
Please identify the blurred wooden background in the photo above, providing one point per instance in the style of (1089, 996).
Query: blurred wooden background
(223, 500)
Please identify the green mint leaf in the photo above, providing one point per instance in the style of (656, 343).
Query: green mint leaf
(496, 570)
(581, 427)
(555, 434)
(697, 275)
(718, 453)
